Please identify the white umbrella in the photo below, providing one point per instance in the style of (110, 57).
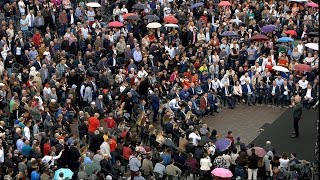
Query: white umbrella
(171, 25)
(235, 21)
(154, 25)
(314, 46)
(93, 4)
(280, 68)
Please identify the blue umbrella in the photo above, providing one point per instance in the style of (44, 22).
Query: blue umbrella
(223, 144)
(229, 33)
(197, 5)
(285, 39)
(268, 28)
(66, 173)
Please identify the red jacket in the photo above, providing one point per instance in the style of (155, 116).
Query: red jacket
(127, 152)
(36, 39)
(93, 124)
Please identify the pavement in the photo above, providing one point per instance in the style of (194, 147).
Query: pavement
(244, 121)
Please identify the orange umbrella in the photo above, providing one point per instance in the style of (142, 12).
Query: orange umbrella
(259, 38)
(170, 19)
(128, 14)
(224, 3)
(291, 32)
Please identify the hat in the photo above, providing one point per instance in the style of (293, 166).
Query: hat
(268, 142)
(108, 177)
(150, 56)
(105, 91)
(100, 97)
(1, 84)
(205, 12)
(53, 100)
(74, 86)
(238, 138)
(93, 102)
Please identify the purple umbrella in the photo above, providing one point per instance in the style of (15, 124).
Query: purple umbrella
(197, 5)
(268, 28)
(229, 33)
(223, 144)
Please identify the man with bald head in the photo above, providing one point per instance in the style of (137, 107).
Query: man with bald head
(297, 113)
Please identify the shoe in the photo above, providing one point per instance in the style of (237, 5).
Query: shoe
(294, 136)
(293, 133)
(216, 111)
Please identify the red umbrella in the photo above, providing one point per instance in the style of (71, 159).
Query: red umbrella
(291, 32)
(302, 67)
(224, 3)
(170, 19)
(129, 14)
(312, 4)
(115, 24)
(259, 38)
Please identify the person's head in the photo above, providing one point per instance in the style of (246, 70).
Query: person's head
(253, 151)
(293, 155)
(284, 156)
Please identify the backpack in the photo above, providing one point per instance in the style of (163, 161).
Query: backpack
(220, 162)
(304, 172)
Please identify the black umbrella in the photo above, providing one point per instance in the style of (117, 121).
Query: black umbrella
(138, 6)
(151, 17)
(313, 33)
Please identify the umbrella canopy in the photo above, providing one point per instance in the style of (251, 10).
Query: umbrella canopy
(291, 32)
(133, 17)
(268, 28)
(282, 46)
(171, 25)
(151, 17)
(222, 172)
(154, 25)
(93, 4)
(115, 24)
(91, 167)
(280, 68)
(224, 3)
(312, 4)
(138, 6)
(66, 173)
(199, 4)
(313, 33)
(229, 33)
(128, 14)
(314, 46)
(259, 38)
(223, 144)
(285, 39)
(260, 152)
(302, 67)
(170, 19)
(237, 21)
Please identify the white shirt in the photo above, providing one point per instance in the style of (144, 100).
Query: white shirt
(303, 84)
(142, 74)
(205, 164)
(308, 94)
(26, 132)
(47, 159)
(1, 155)
(173, 104)
(29, 18)
(195, 138)
(243, 79)
(105, 148)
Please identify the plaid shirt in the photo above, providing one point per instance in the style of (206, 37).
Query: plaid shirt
(61, 69)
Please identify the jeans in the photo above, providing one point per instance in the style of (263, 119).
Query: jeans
(239, 171)
(252, 174)
(113, 158)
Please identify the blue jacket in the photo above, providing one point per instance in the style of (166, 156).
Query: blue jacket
(155, 102)
(245, 88)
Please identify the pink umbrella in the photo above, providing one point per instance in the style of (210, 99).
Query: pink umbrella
(260, 152)
(312, 4)
(221, 172)
(115, 24)
(224, 3)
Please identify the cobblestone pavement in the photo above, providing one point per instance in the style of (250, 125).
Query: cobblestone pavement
(245, 122)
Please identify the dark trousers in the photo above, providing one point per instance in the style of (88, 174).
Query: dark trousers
(134, 174)
(296, 125)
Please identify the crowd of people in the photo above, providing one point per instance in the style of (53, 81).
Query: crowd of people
(90, 92)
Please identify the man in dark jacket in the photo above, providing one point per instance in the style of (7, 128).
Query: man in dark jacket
(253, 165)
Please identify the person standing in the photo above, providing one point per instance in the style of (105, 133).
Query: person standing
(297, 112)
(253, 165)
